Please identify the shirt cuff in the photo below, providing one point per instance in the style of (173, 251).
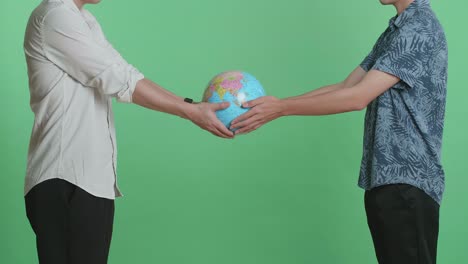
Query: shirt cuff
(125, 95)
(403, 76)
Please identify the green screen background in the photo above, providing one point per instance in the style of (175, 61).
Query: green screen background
(283, 194)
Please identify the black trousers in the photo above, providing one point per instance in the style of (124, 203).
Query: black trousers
(404, 223)
(71, 225)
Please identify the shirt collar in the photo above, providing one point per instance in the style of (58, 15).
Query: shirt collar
(72, 5)
(400, 20)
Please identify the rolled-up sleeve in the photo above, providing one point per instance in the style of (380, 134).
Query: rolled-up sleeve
(69, 44)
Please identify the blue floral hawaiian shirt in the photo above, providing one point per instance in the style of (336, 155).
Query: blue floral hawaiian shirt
(404, 125)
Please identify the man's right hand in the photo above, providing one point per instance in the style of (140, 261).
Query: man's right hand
(204, 116)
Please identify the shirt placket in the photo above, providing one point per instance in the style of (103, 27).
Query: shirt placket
(112, 141)
(110, 129)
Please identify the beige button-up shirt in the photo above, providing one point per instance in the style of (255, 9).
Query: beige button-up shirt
(73, 74)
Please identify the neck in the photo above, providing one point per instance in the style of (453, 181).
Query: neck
(399, 5)
(79, 3)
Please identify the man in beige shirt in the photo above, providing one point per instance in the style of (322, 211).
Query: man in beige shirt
(74, 73)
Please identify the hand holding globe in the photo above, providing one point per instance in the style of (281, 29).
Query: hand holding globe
(235, 87)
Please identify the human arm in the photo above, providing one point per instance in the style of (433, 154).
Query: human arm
(150, 95)
(398, 64)
(353, 78)
(70, 45)
(354, 98)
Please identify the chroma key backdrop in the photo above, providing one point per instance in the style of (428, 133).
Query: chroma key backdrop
(284, 194)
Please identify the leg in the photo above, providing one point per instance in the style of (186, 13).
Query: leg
(47, 210)
(403, 221)
(91, 221)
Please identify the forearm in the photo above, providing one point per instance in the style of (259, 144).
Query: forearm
(354, 97)
(150, 95)
(321, 90)
(334, 98)
(333, 101)
(353, 78)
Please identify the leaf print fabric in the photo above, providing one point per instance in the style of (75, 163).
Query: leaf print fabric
(404, 125)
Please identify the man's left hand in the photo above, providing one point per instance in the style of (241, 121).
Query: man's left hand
(263, 110)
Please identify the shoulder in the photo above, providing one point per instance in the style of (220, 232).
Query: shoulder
(423, 33)
(423, 23)
(62, 17)
(43, 10)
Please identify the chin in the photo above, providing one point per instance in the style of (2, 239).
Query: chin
(388, 2)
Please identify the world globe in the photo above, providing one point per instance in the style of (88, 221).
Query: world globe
(235, 87)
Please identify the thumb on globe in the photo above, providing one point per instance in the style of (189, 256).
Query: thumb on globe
(220, 106)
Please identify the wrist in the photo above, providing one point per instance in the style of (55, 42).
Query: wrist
(283, 107)
(187, 109)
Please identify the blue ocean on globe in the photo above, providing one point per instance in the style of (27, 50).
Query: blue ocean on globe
(235, 87)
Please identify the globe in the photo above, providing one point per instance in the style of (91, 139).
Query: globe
(235, 87)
